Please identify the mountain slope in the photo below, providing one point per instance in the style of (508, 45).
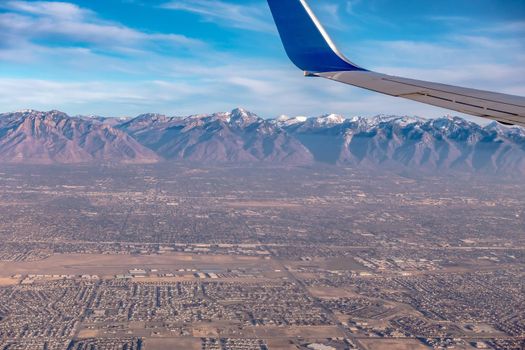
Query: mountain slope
(54, 137)
(446, 143)
(238, 136)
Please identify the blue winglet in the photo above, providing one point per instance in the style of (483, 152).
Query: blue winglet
(306, 42)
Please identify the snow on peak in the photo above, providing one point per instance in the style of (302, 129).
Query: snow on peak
(27, 111)
(282, 118)
(328, 120)
(382, 118)
(333, 118)
(242, 113)
(287, 121)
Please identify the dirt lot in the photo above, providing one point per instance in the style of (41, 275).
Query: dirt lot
(106, 265)
(393, 344)
(331, 293)
(291, 332)
(4, 282)
(173, 343)
(280, 344)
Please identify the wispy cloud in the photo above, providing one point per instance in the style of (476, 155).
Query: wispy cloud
(47, 94)
(251, 16)
(351, 6)
(330, 13)
(63, 10)
(513, 27)
(459, 59)
(26, 22)
(450, 20)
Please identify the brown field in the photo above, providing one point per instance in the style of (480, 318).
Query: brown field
(88, 333)
(344, 263)
(173, 343)
(331, 293)
(291, 332)
(205, 331)
(8, 281)
(281, 344)
(392, 344)
(107, 265)
(339, 263)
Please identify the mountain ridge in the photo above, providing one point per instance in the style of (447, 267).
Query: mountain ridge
(54, 137)
(239, 136)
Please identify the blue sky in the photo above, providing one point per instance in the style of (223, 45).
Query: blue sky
(180, 57)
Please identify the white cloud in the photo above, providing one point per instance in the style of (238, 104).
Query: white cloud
(479, 42)
(513, 27)
(80, 97)
(468, 60)
(63, 10)
(331, 15)
(450, 20)
(252, 17)
(351, 5)
(62, 22)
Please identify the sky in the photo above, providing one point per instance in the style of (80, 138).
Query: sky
(180, 57)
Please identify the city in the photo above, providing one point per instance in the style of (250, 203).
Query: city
(185, 257)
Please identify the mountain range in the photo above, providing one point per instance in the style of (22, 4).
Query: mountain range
(54, 137)
(240, 136)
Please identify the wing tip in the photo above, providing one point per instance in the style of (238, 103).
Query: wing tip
(306, 42)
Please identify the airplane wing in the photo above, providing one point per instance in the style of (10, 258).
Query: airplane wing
(309, 47)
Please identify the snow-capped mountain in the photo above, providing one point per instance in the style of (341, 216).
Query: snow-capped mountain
(241, 136)
(237, 136)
